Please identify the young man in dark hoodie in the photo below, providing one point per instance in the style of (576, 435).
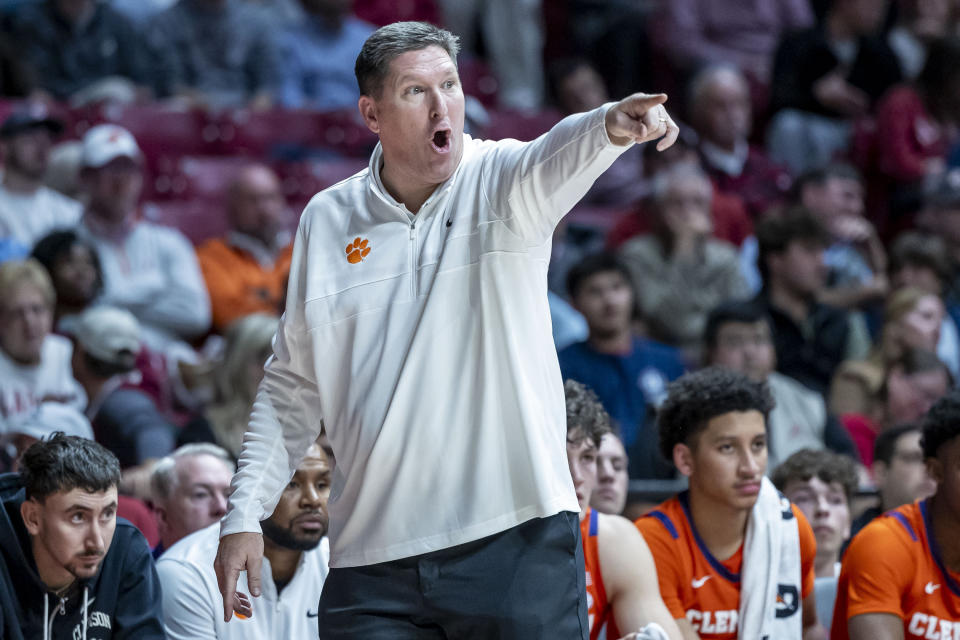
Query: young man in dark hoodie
(69, 568)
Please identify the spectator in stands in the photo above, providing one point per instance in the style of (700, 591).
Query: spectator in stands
(731, 222)
(738, 337)
(856, 259)
(77, 47)
(149, 270)
(246, 271)
(248, 345)
(720, 111)
(513, 38)
(296, 555)
(695, 33)
(28, 209)
(941, 218)
(911, 385)
(34, 364)
(825, 76)
(19, 433)
(912, 320)
(74, 270)
(577, 87)
(613, 478)
(897, 577)
(919, 24)
(811, 338)
(628, 373)
(189, 489)
(703, 540)
(916, 125)
(822, 485)
(680, 271)
(921, 261)
(621, 590)
(125, 419)
(68, 567)
(898, 472)
(216, 53)
(318, 53)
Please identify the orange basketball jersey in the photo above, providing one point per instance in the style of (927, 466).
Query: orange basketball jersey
(697, 586)
(894, 566)
(598, 609)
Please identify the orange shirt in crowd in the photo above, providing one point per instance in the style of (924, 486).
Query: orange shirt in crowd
(598, 609)
(693, 583)
(238, 284)
(894, 566)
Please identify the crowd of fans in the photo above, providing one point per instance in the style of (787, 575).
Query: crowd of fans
(804, 231)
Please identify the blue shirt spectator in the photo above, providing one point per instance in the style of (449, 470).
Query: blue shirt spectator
(318, 55)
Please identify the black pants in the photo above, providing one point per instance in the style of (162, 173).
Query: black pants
(524, 583)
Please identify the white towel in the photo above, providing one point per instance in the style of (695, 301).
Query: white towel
(770, 581)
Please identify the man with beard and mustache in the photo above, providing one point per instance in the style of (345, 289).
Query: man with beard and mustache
(28, 209)
(628, 373)
(69, 568)
(295, 551)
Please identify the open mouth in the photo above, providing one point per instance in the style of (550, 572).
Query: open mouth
(441, 141)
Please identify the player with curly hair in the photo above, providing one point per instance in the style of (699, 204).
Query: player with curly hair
(621, 579)
(901, 573)
(704, 541)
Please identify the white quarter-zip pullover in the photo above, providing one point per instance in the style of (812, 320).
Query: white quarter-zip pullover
(423, 342)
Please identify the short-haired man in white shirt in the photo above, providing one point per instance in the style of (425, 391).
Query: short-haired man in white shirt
(28, 209)
(296, 555)
(417, 330)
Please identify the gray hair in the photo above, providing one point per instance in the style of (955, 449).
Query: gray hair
(392, 40)
(163, 477)
(665, 179)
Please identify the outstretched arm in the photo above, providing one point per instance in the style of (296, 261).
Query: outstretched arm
(630, 578)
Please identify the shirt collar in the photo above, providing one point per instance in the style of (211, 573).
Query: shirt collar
(729, 162)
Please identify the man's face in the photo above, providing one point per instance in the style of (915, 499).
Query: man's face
(727, 459)
(419, 118)
(945, 470)
(300, 520)
(199, 498)
(582, 460)
(610, 495)
(257, 204)
(801, 267)
(825, 506)
(26, 321)
(606, 301)
(836, 198)
(746, 347)
(685, 206)
(905, 479)
(71, 532)
(28, 152)
(725, 112)
(582, 90)
(75, 275)
(910, 396)
(114, 188)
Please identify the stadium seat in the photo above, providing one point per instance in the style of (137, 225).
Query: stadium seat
(199, 220)
(295, 134)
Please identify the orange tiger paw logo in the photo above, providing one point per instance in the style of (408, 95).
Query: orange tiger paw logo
(357, 250)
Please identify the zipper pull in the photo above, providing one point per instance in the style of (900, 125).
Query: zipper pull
(412, 228)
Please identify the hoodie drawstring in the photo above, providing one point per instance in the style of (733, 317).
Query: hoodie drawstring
(86, 592)
(46, 613)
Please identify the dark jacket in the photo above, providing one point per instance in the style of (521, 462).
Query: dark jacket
(123, 599)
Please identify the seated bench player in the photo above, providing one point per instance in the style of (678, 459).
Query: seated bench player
(901, 574)
(734, 558)
(621, 578)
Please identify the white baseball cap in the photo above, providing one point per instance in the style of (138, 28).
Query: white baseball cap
(105, 142)
(109, 334)
(50, 417)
